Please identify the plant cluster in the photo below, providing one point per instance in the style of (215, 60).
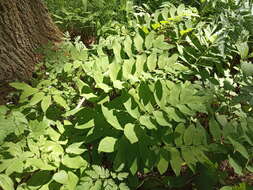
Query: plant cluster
(164, 102)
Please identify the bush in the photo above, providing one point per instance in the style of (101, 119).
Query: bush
(164, 102)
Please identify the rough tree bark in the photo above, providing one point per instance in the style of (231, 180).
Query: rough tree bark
(24, 26)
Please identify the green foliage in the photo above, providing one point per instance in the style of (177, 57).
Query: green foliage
(87, 17)
(241, 186)
(154, 103)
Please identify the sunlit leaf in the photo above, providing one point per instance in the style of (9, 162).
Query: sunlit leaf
(6, 182)
(45, 103)
(138, 42)
(130, 133)
(107, 144)
(61, 177)
(74, 162)
(111, 118)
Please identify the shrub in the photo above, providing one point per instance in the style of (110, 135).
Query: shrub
(161, 102)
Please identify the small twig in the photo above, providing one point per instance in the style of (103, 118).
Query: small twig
(80, 103)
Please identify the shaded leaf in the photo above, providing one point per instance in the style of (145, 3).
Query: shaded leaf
(235, 165)
(162, 165)
(239, 147)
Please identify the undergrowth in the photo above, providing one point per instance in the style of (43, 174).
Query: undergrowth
(162, 102)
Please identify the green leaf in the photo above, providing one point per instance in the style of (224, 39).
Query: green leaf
(104, 87)
(111, 118)
(61, 177)
(116, 50)
(123, 175)
(160, 93)
(39, 179)
(146, 121)
(163, 60)
(118, 84)
(127, 68)
(107, 144)
(138, 42)
(151, 62)
(38, 163)
(72, 181)
(226, 187)
(179, 133)
(159, 43)
(123, 186)
(250, 168)
(176, 160)
(189, 135)
(156, 25)
(215, 129)
(200, 136)
(15, 166)
(75, 148)
(3, 110)
(160, 118)
(247, 68)
(68, 67)
(114, 69)
(92, 174)
(27, 89)
(243, 49)
(132, 108)
(74, 162)
(235, 165)
(45, 103)
(181, 9)
(85, 5)
(222, 120)
(140, 61)
(188, 156)
(97, 185)
(174, 95)
(59, 100)
(162, 165)
(149, 40)
(239, 147)
(134, 166)
(183, 32)
(6, 182)
(185, 110)
(172, 114)
(197, 151)
(20, 86)
(128, 46)
(129, 132)
(172, 59)
(37, 98)
(87, 125)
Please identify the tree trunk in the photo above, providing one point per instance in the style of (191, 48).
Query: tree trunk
(24, 26)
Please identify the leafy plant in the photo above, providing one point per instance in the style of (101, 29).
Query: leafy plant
(165, 99)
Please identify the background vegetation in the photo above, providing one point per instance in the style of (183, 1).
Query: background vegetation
(152, 95)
